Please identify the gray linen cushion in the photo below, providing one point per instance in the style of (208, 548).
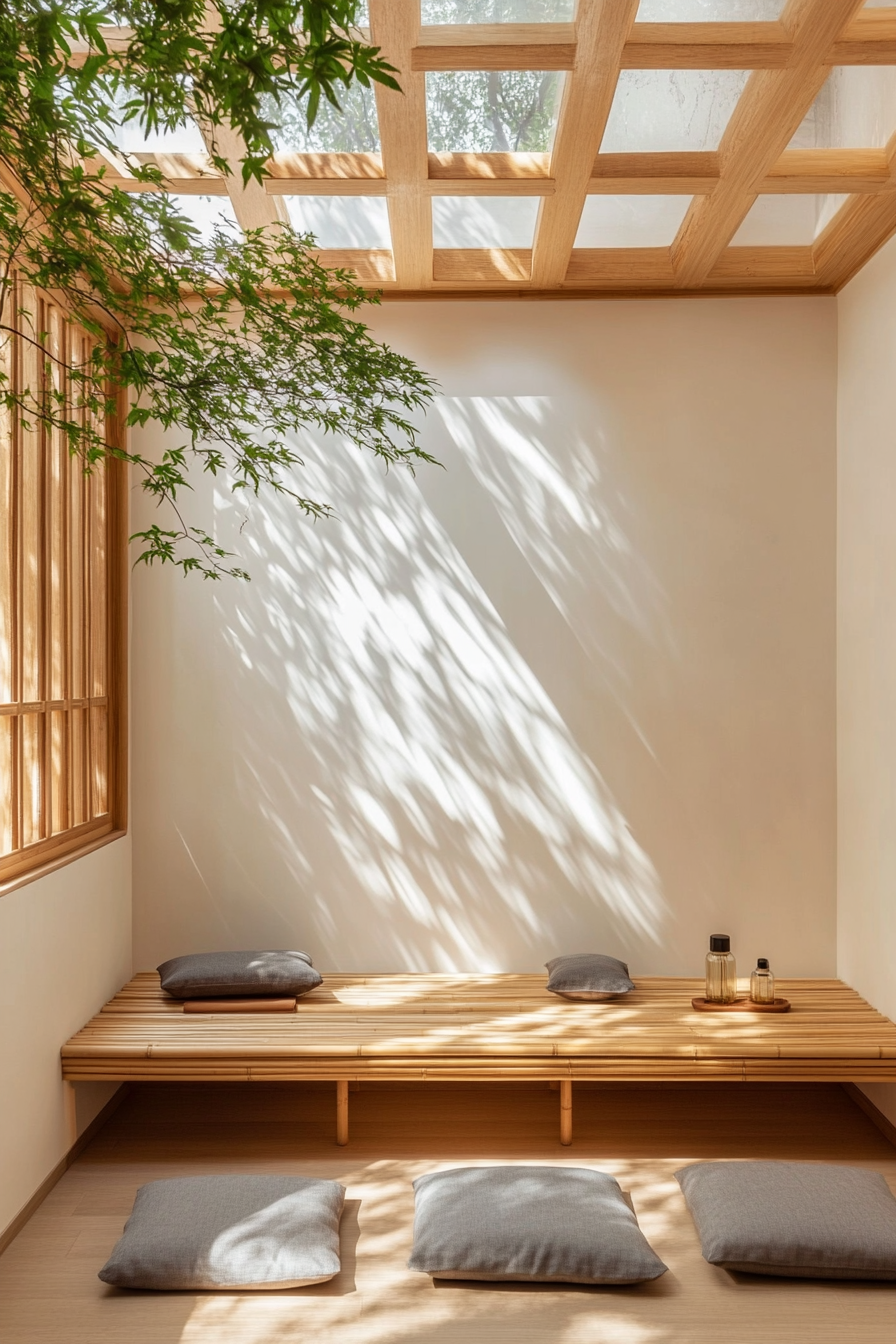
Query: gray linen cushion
(542, 1224)
(808, 1220)
(588, 975)
(202, 1232)
(210, 975)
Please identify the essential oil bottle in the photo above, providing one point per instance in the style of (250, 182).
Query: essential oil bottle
(721, 971)
(762, 983)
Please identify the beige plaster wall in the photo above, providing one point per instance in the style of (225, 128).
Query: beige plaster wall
(65, 947)
(866, 640)
(574, 691)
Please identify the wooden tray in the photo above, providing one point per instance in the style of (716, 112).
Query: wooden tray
(741, 1006)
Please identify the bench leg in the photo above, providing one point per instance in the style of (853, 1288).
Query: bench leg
(342, 1112)
(566, 1112)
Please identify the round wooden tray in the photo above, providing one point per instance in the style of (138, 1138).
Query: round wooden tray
(741, 1006)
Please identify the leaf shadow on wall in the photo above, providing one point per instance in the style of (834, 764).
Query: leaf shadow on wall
(412, 796)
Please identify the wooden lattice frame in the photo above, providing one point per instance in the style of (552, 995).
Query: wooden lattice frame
(789, 61)
(63, 610)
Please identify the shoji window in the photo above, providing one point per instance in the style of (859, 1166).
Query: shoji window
(62, 587)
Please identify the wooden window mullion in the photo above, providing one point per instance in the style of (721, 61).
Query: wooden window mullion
(61, 530)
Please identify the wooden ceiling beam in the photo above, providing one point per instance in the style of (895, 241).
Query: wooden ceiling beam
(686, 173)
(491, 266)
(498, 167)
(336, 174)
(641, 268)
(780, 264)
(602, 27)
(395, 28)
(870, 39)
(372, 266)
(854, 235)
(762, 125)
(620, 267)
(254, 207)
(856, 232)
(707, 46)
(843, 171)
(495, 46)
(805, 171)
(847, 171)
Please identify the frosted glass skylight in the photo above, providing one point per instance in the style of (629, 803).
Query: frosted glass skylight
(856, 109)
(786, 220)
(205, 212)
(710, 11)
(483, 221)
(352, 129)
(341, 221)
(487, 111)
(496, 11)
(631, 221)
(132, 139)
(657, 111)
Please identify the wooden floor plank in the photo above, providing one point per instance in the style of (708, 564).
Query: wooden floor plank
(640, 1133)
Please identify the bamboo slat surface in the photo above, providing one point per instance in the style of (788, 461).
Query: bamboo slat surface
(486, 1027)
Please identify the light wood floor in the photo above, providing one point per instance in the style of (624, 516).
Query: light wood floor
(49, 1292)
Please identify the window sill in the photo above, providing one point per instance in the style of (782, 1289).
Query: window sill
(61, 861)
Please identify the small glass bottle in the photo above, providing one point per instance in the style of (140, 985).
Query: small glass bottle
(762, 983)
(721, 971)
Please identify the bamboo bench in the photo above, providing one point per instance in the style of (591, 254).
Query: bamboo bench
(485, 1028)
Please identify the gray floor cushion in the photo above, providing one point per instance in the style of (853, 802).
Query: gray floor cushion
(212, 975)
(542, 1224)
(202, 1232)
(588, 975)
(809, 1220)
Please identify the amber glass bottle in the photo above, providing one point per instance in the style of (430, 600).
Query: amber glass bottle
(762, 983)
(721, 971)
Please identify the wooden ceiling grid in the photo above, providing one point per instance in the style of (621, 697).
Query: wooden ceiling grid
(788, 60)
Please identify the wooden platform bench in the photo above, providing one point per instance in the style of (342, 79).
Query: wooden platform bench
(494, 1028)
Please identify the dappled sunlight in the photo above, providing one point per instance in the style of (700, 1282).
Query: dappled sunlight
(556, 495)
(508, 264)
(421, 791)
(391, 1304)
(260, 1318)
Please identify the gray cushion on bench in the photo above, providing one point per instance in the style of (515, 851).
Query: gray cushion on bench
(805, 1219)
(202, 1232)
(588, 975)
(211, 975)
(542, 1224)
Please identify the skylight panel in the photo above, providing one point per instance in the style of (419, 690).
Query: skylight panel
(657, 111)
(496, 11)
(484, 221)
(352, 128)
(131, 138)
(710, 11)
(352, 222)
(791, 220)
(490, 111)
(855, 109)
(631, 221)
(205, 212)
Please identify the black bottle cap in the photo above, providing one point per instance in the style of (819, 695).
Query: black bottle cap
(719, 942)
(762, 964)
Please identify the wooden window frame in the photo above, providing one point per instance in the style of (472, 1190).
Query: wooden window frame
(28, 860)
